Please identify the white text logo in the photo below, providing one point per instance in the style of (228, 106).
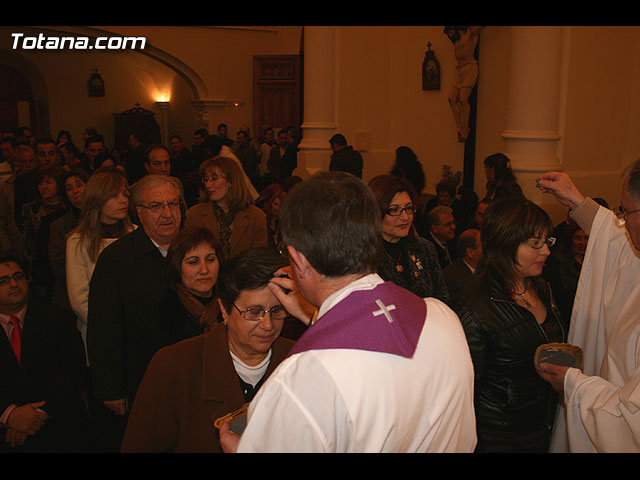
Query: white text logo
(42, 42)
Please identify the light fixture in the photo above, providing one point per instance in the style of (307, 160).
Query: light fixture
(164, 109)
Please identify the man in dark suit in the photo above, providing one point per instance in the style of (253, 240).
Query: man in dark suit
(442, 233)
(181, 161)
(344, 158)
(43, 366)
(125, 295)
(135, 158)
(462, 269)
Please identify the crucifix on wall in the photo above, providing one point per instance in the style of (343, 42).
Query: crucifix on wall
(465, 40)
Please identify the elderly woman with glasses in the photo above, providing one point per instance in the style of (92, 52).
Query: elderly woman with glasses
(507, 312)
(189, 385)
(227, 209)
(408, 260)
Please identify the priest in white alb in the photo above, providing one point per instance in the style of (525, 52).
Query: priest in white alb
(601, 411)
(380, 369)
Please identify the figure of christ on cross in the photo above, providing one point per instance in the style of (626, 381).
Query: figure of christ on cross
(464, 41)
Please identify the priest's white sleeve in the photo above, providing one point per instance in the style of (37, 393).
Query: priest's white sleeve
(296, 411)
(603, 417)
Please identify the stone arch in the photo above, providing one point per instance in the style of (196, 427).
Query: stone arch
(190, 76)
(37, 84)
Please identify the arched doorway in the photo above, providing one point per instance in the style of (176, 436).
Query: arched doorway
(17, 101)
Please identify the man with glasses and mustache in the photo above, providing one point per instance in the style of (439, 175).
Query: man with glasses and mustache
(125, 295)
(602, 400)
(42, 358)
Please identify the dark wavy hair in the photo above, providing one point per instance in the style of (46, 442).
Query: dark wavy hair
(334, 220)
(186, 240)
(508, 223)
(409, 167)
(249, 270)
(49, 171)
(502, 165)
(74, 172)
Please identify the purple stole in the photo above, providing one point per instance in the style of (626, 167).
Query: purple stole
(386, 319)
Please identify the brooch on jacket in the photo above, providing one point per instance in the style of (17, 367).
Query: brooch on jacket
(417, 263)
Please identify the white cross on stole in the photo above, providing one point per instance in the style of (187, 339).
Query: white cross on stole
(384, 310)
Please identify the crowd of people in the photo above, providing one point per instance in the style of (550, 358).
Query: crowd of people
(148, 293)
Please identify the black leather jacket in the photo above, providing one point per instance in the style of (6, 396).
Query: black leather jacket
(514, 406)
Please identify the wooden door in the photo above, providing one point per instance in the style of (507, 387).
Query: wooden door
(276, 86)
(16, 95)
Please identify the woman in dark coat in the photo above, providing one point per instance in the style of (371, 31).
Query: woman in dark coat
(190, 307)
(501, 181)
(37, 217)
(408, 260)
(74, 183)
(563, 268)
(507, 311)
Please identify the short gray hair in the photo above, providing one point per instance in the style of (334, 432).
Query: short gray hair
(150, 181)
(433, 217)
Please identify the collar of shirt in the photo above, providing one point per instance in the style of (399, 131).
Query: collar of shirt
(473, 270)
(250, 374)
(368, 282)
(442, 244)
(162, 251)
(4, 320)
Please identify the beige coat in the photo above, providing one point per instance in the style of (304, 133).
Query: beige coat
(249, 228)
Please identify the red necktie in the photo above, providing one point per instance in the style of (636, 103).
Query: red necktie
(16, 336)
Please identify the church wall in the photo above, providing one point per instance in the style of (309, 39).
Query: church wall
(599, 117)
(379, 78)
(378, 91)
(221, 58)
(601, 133)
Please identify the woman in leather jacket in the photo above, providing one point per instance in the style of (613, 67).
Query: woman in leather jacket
(507, 311)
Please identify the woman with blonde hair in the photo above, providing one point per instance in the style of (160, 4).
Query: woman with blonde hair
(227, 208)
(104, 217)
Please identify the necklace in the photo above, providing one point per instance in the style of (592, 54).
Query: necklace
(398, 266)
(521, 298)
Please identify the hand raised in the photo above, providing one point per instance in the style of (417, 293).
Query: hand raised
(560, 185)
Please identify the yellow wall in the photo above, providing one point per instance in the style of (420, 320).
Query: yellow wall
(221, 58)
(378, 90)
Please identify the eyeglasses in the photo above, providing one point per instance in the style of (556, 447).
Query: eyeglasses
(396, 211)
(538, 243)
(622, 213)
(255, 314)
(158, 207)
(18, 276)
